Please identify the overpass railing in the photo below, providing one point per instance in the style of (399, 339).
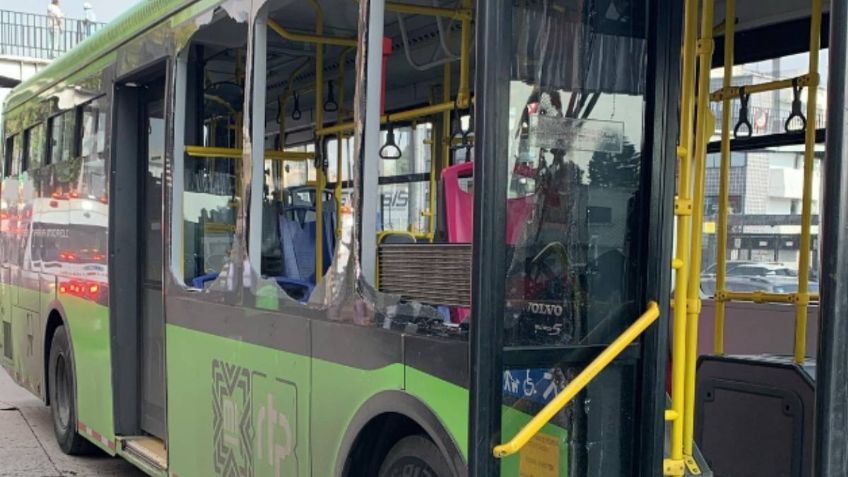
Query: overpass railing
(32, 35)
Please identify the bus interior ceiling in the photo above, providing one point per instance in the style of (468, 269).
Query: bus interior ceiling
(406, 84)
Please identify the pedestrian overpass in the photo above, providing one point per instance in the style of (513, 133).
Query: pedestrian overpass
(27, 43)
(14, 69)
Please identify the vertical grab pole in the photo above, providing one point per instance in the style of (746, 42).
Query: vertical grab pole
(831, 421)
(682, 210)
(463, 97)
(319, 123)
(431, 205)
(724, 176)
(803, 297)
(446, 116)
(370, 147)
(703, 130)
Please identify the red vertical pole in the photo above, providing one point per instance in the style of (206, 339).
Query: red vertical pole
(387, 51)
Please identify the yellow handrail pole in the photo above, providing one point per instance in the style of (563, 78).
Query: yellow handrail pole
(452, 13)
(446, 116)
(806, 200)
(732, 92)
(289, 155)
(703, 130)
(236, 153)
(431, 206)
(463, 97)
(683, 210)
(765, 297)
(213, 152)
(447, 76)
(724, 175)
(579, 382)
(319, 122)
(399, 116)
(318, 38)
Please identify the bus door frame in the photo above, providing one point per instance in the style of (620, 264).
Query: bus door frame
(125, 241)
(487, 354)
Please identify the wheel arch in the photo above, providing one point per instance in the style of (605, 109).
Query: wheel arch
(55, 319)
(404, 414)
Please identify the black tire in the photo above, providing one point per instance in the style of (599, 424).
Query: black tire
(61, 385)
(415, 456)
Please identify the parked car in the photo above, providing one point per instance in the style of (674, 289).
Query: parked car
(769, 284)
(754, 269)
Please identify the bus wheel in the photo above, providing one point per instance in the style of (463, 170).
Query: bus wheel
(61, 384)
(415, 456)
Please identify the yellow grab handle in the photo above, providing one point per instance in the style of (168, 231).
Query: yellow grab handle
(579, 382)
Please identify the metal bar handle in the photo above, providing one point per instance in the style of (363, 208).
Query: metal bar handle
(579, 382)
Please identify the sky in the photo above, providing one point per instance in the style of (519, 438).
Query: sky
(105, 10)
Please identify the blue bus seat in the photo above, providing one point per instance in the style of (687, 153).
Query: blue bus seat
(297, 242)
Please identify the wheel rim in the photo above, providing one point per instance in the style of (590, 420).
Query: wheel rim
(63, 404)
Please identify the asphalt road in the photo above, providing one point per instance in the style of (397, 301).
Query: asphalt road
(27, 446)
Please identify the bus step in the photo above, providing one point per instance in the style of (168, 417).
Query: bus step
(148, 449)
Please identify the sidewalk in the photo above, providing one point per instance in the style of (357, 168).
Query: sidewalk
(27, 446)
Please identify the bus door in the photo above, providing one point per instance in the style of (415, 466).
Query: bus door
(150, 279)
(562, 128)
(6, 190)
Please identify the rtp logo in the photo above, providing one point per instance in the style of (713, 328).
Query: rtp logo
(254, 423)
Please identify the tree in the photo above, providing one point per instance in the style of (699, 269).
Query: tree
(616, 170)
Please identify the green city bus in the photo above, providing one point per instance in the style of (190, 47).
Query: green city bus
(277, 238)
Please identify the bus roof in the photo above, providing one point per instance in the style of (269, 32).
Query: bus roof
(127, 26)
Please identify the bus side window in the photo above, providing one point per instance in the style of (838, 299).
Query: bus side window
(33, 147)
(92, 146)
(92, 141)
(404, 183)
(8, 160)
(212, 185)
(16, 155)
(61, 137)
(296, 234)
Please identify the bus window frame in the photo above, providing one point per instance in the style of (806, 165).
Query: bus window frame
(48, 156)
(9, 155)
(79, 127)
(25, 148)
(26, 162)
(51, 121)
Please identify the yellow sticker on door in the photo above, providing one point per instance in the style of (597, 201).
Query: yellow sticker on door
(540, 457)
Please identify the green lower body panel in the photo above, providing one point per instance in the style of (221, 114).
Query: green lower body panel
(237, 409)
(90, 340)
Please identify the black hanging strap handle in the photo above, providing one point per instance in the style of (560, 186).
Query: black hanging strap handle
(797, 107)
(296, 114)
(744, 98)
(330, 105)
(390, 149)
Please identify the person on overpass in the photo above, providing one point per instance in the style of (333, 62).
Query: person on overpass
(55, 26)
(90, 19)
